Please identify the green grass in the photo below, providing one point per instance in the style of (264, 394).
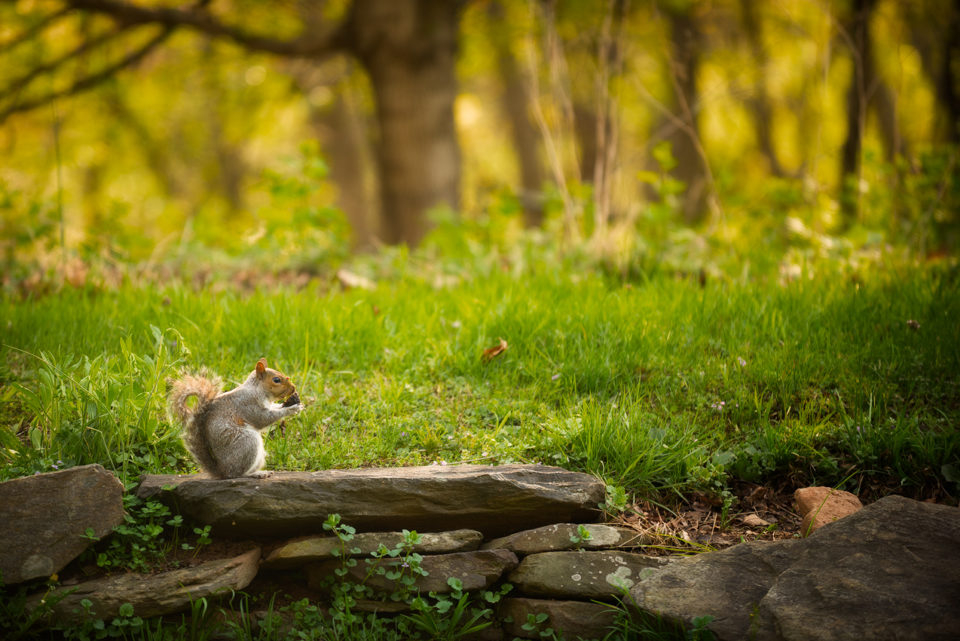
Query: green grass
(661, 386)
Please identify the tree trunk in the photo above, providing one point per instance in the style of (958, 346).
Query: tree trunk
(949, 76)
(857, 30)
(344, 140)
(759, 102)
(585, 130)
(408, 48)
(935, 33)
(340, 127)
(228, 167)
(685, 38)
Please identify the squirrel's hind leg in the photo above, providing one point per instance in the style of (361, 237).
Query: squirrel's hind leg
(241, 452)
(259, 459)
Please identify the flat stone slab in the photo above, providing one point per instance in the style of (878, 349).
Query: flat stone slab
(494, 500)
(315, 548)
(568, 619)
(477, 570)
(44, 518)
(153, 594)
(561, 536)
(582, 575)
(889, 571)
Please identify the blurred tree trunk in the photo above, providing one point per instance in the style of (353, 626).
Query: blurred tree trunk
(894, 144)
(678, 123)
(227, 168)
(585, 130)
(759, 102)
(935, 32)
(340, 128)
(516, 106)
(685, 39)
(948, 79)
(856, 31)
(408, 47)
(343, 138)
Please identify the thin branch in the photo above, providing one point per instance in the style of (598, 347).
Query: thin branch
(20, 83)
(713, 197)
(94, 79)
(610, 62)
(556, 60)
(550, 144)
(33, 29)
(304, 46)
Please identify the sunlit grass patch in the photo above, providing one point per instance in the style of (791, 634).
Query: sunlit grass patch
(662, 386)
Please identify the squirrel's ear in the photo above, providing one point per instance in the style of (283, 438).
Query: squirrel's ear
(261, 366)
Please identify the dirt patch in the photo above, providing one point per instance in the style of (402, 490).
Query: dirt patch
(701, 524)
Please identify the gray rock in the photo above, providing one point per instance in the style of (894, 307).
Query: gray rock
(45, 517)
(568, 619)
(311, 549)
(495, 500)
(558, 536)
(583, 574)
(477, 570)
(727, 585)
(889, 571)
(152, 594)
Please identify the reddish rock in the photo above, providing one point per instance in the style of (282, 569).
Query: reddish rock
(823, 505)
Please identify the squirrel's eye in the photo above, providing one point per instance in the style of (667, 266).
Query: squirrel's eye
(276, 379)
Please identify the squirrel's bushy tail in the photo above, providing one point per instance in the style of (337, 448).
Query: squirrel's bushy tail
(205, 389)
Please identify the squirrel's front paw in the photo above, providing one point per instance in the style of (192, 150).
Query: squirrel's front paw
(293, 410)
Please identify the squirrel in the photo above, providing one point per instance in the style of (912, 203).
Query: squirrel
(223, 431)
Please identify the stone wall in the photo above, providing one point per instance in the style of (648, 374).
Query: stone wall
(889, 570)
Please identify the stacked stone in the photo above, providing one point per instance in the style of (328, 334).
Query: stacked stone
(889, 570)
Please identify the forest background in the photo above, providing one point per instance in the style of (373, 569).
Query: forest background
(717, 238)
(650, 132)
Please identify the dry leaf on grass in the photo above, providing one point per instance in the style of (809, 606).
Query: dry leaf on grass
(496, 350)
(349, 280)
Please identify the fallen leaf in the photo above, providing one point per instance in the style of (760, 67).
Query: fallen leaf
(349, 280)
(496, 350)
(752, 520)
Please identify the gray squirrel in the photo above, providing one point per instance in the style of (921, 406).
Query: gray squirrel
(223, 431)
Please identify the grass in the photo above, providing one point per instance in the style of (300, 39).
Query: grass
(662, 386)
